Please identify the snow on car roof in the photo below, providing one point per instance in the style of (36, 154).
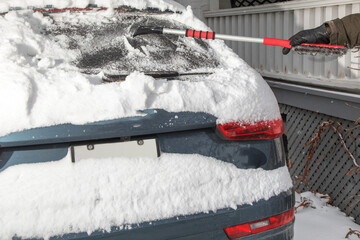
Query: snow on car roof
(163, 5)
(40, 85)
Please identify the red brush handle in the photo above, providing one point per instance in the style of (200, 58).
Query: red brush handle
(277, 42)
(286, 43)
(200, 34)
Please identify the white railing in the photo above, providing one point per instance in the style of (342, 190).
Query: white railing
(282, 20)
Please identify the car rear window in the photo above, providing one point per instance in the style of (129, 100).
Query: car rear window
(106, 43)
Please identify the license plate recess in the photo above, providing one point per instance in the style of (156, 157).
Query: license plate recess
(142, 148)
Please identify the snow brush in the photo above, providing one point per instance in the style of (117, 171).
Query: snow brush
(305, 48)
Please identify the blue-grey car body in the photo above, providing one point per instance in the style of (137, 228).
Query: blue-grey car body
(175, 132)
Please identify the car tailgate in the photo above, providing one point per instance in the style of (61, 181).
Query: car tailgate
(153, 122)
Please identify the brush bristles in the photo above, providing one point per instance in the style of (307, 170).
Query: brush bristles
(326, 51)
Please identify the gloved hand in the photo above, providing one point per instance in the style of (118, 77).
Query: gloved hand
(315, 35)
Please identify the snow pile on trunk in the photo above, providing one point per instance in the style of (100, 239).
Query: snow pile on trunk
(47, 199)
(163, 5)
(40, 86)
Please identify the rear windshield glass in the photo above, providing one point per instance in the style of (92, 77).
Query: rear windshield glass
(106, 43)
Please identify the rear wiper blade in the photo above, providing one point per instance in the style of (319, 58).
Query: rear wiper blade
(169, 75)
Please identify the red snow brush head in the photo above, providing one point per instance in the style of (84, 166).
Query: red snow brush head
(322, 49)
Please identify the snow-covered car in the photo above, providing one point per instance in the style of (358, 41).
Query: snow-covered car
(109, 136)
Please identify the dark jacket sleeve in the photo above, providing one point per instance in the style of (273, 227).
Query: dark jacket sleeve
(345, 31)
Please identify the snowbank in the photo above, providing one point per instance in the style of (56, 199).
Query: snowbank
(40, 86)
(320, 220)
(45, 199)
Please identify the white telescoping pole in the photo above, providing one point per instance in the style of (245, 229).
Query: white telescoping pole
(174, 31)
(239, 38)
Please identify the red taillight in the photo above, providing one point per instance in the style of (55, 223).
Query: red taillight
(252, 131)
(259, 225)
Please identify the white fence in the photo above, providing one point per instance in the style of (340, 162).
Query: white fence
(282, 20)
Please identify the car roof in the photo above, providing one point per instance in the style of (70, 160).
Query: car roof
(162, 5)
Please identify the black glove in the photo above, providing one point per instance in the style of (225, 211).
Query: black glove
(315, 35)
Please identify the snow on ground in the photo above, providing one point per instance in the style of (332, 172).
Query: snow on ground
(54, 198)
(40, 86)
(320, 220)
